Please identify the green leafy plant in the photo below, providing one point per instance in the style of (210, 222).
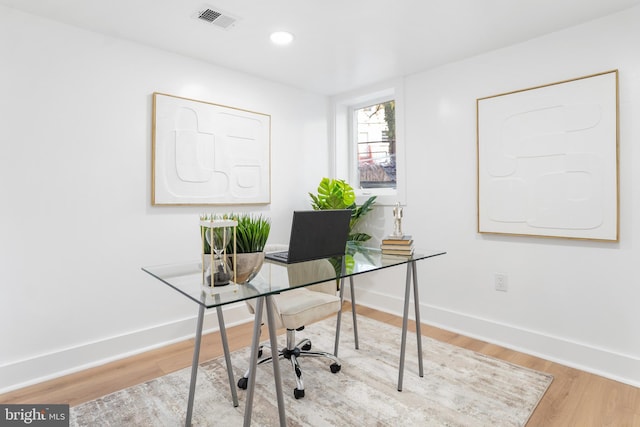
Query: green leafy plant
(338, 194)
(251, 234)
(333, 194)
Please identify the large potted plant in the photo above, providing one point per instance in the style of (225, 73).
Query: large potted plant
(338, 194)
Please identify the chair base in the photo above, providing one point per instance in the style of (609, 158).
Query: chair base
(293, 352)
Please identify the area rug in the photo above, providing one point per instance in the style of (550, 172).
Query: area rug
(459, 388)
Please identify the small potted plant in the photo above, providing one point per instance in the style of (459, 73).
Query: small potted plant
(252, 233)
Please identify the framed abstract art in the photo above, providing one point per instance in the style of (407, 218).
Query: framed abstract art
(208, 154)
(548, 160)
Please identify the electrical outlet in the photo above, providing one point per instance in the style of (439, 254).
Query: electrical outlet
(501, 282)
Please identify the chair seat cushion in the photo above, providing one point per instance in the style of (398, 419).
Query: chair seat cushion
(300, 307)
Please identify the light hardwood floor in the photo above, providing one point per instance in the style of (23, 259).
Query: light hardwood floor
(575, 398)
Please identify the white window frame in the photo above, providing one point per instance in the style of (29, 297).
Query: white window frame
(344, 145)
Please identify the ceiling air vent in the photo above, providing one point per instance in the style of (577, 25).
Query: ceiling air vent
(216, 16)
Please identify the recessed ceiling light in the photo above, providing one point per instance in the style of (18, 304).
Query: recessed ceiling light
(281, 37)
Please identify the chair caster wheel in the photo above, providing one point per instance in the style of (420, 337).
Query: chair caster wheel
(260, 353)
(335, 368)
(242, 383)
(299, 394)
(307, 346)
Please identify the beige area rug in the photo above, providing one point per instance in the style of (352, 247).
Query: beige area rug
(459, 388)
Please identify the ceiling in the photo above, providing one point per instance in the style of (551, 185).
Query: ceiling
(339, 45)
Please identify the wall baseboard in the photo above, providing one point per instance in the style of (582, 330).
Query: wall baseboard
(52, 365)
(599, 361)
(615, 366)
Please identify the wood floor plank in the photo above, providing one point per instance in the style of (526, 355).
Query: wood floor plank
(575, 398)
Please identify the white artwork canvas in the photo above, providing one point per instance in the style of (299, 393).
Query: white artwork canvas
(548, 160)
(208, 154)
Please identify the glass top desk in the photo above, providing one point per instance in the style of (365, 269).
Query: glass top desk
(188, 279)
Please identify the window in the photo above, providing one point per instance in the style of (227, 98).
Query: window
(368, 145)
(376, 145)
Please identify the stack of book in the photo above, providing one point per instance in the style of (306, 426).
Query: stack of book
(397, 245)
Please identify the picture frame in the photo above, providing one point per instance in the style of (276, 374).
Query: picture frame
(209, 154)
(547, 160)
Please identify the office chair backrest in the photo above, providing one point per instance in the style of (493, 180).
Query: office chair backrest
(310, 271)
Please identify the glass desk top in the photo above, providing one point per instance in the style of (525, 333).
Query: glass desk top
(273, 278)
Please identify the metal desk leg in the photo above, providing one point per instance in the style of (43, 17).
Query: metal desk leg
(194, 366)
(405, 319)
(353, 312)
(254, 360)
(227, 356)
(339, 319)
(416, 300)
(255, 344)
(275, 360)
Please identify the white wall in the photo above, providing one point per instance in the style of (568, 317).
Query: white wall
(575, 302)
(76, 222)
